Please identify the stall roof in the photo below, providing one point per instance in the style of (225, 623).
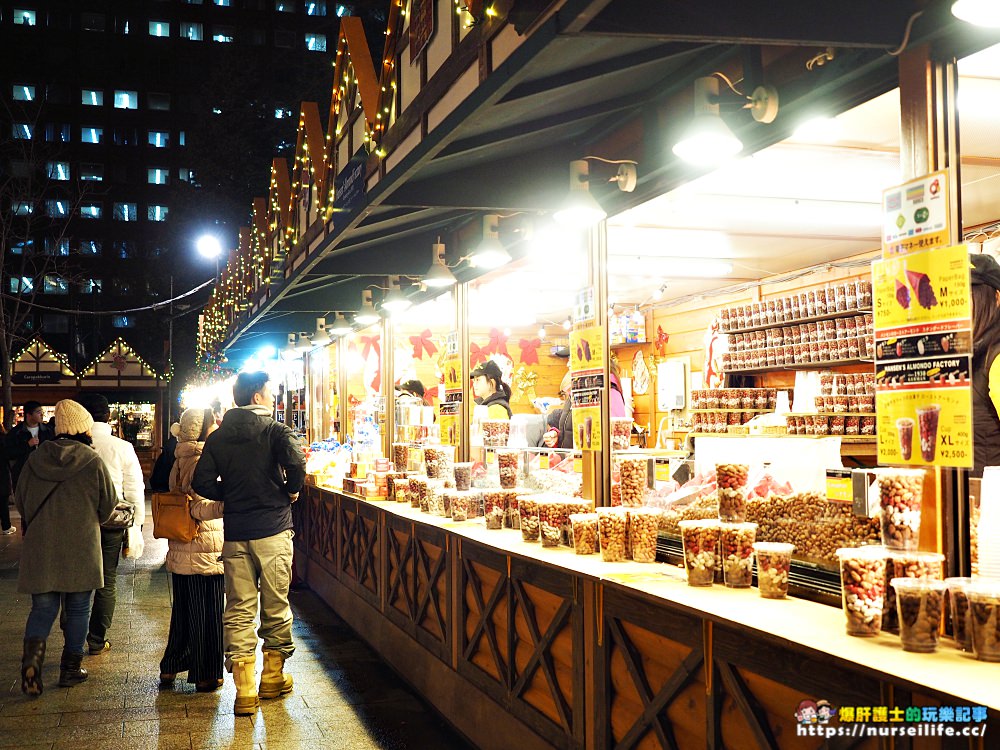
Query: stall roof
(586, 73)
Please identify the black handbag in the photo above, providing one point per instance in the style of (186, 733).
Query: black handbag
(121, 518)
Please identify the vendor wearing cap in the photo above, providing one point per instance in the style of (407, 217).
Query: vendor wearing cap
(985, 362)
(491, 391)
(412, 388)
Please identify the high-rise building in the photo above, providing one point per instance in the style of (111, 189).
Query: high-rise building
(135, 126)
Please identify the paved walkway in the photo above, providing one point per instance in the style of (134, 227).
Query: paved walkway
(344, 697)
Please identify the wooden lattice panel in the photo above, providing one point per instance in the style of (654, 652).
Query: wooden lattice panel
(323, 527)
(430, 561)
(400, 598)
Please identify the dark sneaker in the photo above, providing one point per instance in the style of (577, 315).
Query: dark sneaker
(98, 650)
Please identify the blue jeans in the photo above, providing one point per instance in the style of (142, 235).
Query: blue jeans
(45, 609)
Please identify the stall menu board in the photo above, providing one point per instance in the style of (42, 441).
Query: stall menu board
(421, 26)
(915, 215)
(450, 409)
(586, 364)
(923, 358)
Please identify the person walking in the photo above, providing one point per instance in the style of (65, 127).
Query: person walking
(64, 493)
(195, 641)
(25, 437)
(256, 467)
(126, 472)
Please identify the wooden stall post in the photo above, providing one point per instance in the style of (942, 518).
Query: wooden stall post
(597, 464)
(387, 368)
(462, 326)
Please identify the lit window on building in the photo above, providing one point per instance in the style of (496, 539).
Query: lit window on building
(22, 131)
(181, 138)
(126, 100)
(157, 213)
(342, 10)
(91, 211)
(91, 135)
(157, 175)
(284, 6)
(20, 247)
(216, 111)
(159, 28)
(122, 321)
(90, 247)
(223, 34)
(159, 138)
(92, 98)
(125, 249)
(125, 212)
(23, 208)
(58, 170)
(56, 132)
(21, 284)
(25, 17)
(315, 7)
(56, 209)
(194, 2)
(194, 32)
(54, 284)
(92, 21)
(316, 42)
(185, 174)
(222, 3)
(22, 92)
(281, 113)
(56, 246)
(91, 286)
(92, 172)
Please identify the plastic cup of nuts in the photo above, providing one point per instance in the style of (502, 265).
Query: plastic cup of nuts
(633, 481)
(731, 480)
(862, 578)
(900, 496)
(920, 604)
(920, 565)
(438, 459)
(643, 527)
(612, 525)
(418, 492)
(463, 475)
(553, 514)
(507, 465)
(984, 616)
(701, 542)
(621, 433)
(401, 490)
(459, 507)
(495, 508)
(736, 545)
(495, 432)
(528, 511)
(961, 628)
(584, 533)
(774, 562)
(400, 456)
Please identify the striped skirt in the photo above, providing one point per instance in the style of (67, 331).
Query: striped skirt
(195, 642)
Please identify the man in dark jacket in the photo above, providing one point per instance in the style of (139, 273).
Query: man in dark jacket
(24, 437)
(255, 466)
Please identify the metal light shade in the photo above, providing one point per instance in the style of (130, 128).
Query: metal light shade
(395, 301)
(579, 208)
(341, 326)
(439, 276)
(303, 344)
(290, 351)
(978, 12)
(321, 337)
(707, 140)
(490, 252)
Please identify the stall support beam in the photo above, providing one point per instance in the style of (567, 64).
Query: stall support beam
(388, 371)
(597, 464)
(342, 388)
(465, 413)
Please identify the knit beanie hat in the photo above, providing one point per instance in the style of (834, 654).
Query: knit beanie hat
(191, 425)
(72, 419)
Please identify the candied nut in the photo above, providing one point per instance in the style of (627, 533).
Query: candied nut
(643, 528)
(613, 529)
(633, 481)
(584, 533)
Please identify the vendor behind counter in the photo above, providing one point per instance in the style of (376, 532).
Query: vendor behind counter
(490, 390)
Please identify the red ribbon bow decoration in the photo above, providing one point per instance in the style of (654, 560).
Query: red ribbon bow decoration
(422, 344)
(529, 350)
(476, 355)
(498, 343)
(661, 340)
(372, 342)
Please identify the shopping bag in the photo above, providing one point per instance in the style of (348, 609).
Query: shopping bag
(172, 517)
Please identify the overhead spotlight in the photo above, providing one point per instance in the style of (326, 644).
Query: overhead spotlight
(366, 315)
(541, 332)
(290, 351)
(340, 325)
(439, 275)
(490, 252)
(977, 12)
(395, 301)
(567, 324)
(707, 140)
(320, 337)
(303, 344)
(579, 209)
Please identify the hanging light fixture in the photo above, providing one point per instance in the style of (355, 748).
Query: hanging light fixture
(320, 337)
(366, 315)
(439, 275)
(395, 301)
(290, 351)
(579, 209)
(490, 252)
(302, 343)
(708, 141)
(340, 325)
(977, 12)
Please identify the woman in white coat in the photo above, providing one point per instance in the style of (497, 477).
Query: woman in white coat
(195, 641)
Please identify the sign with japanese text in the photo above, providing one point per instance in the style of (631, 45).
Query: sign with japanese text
(915, 215)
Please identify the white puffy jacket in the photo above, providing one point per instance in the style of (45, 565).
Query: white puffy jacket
(126, 472)
(200, 556)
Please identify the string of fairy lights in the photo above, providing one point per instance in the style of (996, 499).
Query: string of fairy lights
(117, 351)
(298, 199)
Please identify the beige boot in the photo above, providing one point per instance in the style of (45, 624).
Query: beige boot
(274, 682)
(246, 688)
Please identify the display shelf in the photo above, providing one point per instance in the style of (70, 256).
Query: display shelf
(621, 344)
(801, 366)
(843, 438)
(830, 414)
(724, 408)
(799, 321)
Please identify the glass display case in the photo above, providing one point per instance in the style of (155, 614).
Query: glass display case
(134, 422)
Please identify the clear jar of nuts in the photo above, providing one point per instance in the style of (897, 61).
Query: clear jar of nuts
(633, 473)
(984, 615)
(924, 565)
(528, 511)
(732, 479)
(584, 533)
(438, 460)
(736, 550)
(862, 577)
(701, 543)
(507, 464)
(920, 606)
(553, 514)
(960, 626)
(613, 530)
(621, 433)
(463, 475)
(900, 497)
(643, 526)
(418, 492)
(496, 432)
(774, 563)
(495, 508)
